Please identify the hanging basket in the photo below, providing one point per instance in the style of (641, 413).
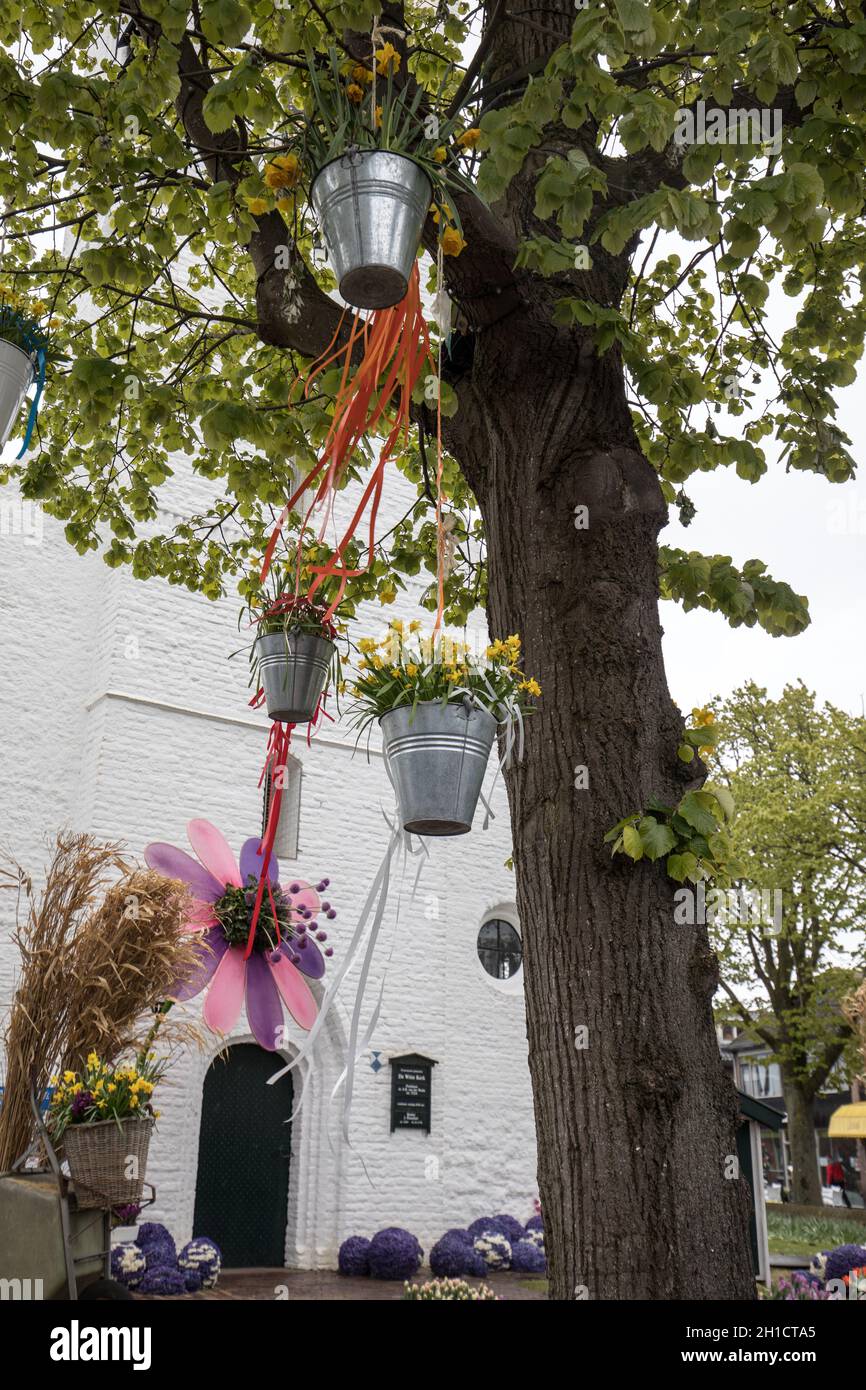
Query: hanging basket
(371, 206)
(99, 1157)
(17, 374)
(293, 670)
(437, 757)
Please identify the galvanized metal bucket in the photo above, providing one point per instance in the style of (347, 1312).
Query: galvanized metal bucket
(437, 757)
(17, 374)
(371, 206)
(293, 668)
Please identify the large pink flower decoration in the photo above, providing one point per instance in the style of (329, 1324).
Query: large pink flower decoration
(284, 947)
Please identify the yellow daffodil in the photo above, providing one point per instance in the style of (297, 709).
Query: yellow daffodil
(531, 686)
(367, 644)
(133, 1101)
(452, 242)
(361, 74)
(355, 93)
(257, 206)
(283, 172)
(396, 625)
(378, 118)
(414, 626)
(69, 1077)
(387, 595)
(703, 716)
(411, 669)
(92, 1059)
(53, 1080)
(387, 60)
(440, 154)
(378, 663)
(111, 1088)
(286, 205)
(469, 138)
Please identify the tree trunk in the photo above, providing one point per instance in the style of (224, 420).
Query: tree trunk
(800, 1105)
(636, 1146)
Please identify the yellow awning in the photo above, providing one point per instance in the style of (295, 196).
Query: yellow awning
(848, 1122)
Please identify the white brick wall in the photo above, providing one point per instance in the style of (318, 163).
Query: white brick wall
(91, 659)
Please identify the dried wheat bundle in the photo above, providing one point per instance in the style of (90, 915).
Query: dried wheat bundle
(98, 955)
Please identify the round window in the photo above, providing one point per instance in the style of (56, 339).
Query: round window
(499, 949)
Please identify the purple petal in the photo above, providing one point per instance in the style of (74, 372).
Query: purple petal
(176, 863)
(252, 861)
(202, 973)
(311, 962)
(264, 1010)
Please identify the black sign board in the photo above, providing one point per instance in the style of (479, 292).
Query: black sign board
(411, 1077)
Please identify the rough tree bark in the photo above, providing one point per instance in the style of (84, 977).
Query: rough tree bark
(800, 1105)
(636, 1130)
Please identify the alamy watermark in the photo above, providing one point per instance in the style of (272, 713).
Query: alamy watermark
(754, 907)
(716, 125)
(22, 517)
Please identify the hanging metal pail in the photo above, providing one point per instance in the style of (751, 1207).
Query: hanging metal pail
(17, 374)
(437, 756)
(371, 206)
(293, 669)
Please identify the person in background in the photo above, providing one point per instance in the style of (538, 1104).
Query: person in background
(836, 1179)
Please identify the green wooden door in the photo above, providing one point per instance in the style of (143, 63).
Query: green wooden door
(243, 1158)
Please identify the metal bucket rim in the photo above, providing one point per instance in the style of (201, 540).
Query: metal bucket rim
(449, 704)
(283, 636)
(358, 156)
(28, 356)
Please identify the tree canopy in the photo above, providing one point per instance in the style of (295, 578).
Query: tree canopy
(185, 292)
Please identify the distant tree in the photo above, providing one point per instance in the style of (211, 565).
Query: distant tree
(797, 773)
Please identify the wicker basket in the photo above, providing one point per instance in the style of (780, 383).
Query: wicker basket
(99, 1156)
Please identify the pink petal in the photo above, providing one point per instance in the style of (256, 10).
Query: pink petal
(201, 917)
(214, 851)
(226, 995)
(176, 863)
(297, 995)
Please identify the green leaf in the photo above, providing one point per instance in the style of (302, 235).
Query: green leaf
(694, 811)
(633, 842)
(655, 837)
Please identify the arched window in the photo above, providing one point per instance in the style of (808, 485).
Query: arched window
(499, 948)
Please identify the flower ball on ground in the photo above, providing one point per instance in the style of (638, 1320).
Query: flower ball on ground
(128, 1264)
(163, 1279)
(157, 1243)
(528, 1258)
(394, 1254)
(354, 1256)
(535, 1223)
(201, 1256)
(843, 1259)
(454, 1254)
(494, 1249)
(506, 1226)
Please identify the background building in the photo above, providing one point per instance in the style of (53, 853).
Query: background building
(122, 716)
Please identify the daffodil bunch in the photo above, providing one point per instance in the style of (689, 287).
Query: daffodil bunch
(406, 667)
(702, 734)
(104, 1092)
(21, 320)
(347, 109)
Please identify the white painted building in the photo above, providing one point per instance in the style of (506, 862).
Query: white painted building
(122, 716)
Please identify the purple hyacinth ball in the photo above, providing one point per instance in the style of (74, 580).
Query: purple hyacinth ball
(528, 1258)
(535, 1223)
(394, 1254)
(453, 1255)
(507, 1226)
(163, 1279)
(843, 1259)
(354, 1256)
(201, 1255)
(157, 1244)
(128, 1265)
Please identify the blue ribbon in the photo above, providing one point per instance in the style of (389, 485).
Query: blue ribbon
(34, 404)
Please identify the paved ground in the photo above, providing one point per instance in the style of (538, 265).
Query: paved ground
(301, 1285)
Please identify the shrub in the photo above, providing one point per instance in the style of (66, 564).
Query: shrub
(394, 1254)
(354, 1256)
(201, 1256)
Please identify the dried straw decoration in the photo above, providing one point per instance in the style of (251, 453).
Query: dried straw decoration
(99, 954)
